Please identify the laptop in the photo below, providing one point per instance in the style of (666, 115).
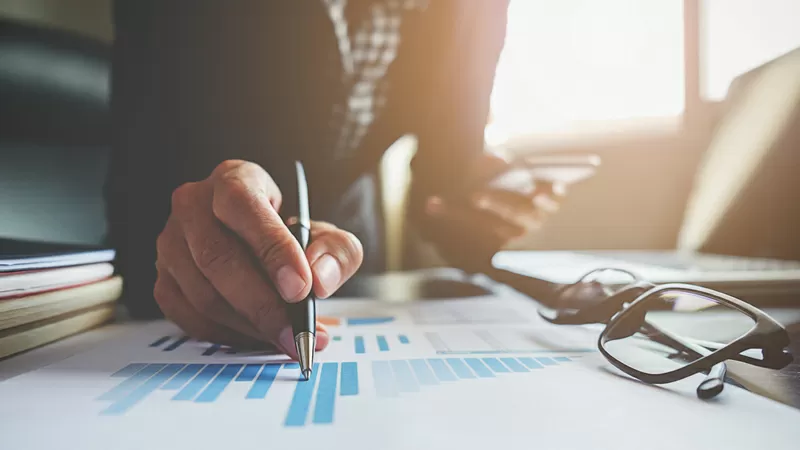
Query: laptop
(727, 211)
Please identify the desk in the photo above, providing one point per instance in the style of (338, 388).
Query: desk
(432, 285)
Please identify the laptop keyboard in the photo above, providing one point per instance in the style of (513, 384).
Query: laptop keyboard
(701, 262)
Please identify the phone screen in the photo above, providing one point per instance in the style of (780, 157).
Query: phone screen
(523, 176)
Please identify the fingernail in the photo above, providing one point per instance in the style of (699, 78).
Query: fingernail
(328, 272)
(286, 339)
(290, 284)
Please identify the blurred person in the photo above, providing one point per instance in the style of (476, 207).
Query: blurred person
(213, 101)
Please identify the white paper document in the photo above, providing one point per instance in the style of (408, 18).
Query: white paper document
(483, 373)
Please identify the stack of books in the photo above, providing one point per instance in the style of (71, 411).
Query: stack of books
(51, 291)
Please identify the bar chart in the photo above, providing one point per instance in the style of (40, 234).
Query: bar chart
(173, 343)
(393, 378)
(205, 383)
(383, 343)
(313, 402)
(355, 321)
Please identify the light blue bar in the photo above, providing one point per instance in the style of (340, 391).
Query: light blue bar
(496, 365)
(176, 344)
(546, 361)
(514, 365)
(301, 400)
(530, 363)
(213, 390)
(129, 384)
(479, 368)
(182, 377)
(337, 338)
(326, 393)
(359, 344)
(198, 383)
(129, 370)
(441, 370)
(382, 344)
(405, 378)
(263, 382)
(562, 359)
(349, 382)
(403, 339)
(249, 372)
(144, 389)
(368, 320)
(384, 379)
(461, 370)
(424, 374)
(292, 366)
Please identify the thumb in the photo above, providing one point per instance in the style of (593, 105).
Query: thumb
(240, 205)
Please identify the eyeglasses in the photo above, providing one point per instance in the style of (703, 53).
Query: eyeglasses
(665, 333)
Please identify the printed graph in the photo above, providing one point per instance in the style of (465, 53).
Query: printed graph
(392, 378)
(472, 342)
(383, 343)
(205, 383)
(173, 343)
(355, 321)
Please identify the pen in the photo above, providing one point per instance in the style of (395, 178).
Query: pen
(303, 315)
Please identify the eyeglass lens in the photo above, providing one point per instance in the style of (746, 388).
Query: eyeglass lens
(644, 336)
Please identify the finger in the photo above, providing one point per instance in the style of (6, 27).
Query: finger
(514, 208)
(335, 255)
(241, 201)
(228, 265)
(200, 293)
(177, 309)
(323, 337)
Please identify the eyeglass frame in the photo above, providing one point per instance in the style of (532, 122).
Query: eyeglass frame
(766, 335)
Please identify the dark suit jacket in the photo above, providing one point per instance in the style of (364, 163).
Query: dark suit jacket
(197, 82)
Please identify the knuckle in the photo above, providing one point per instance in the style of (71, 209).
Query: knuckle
(214, 256)
(231, 193)
(349, 252)
(182, 196)
(274, 249)
(227, 166)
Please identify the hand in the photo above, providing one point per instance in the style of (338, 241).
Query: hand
(469, 232)
(227, 262)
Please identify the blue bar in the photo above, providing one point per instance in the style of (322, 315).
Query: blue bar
(301, 400)
(359, 344)
(546, 361)
(337, 338)
(349, 384)
(382, 344)
(403, 339)
(132, 382)
(461, 369)
(496, 365)
(326, 393)
(129, 370)
(176, 344)
(384, 379)
(249, 373)
(292, 366)
(514, 365)
(183, 377)
(263, 382)
(199, 382)
(144, 389)
(213, 390)
(479, 368)
(368, 320)
(211, 350)
(562, 359)
(424, 374)
(530, 363)
(159, 341)
(405, 378)
(441, 370)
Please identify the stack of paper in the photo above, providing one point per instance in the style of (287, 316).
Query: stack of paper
(452, 374)
(49, 291)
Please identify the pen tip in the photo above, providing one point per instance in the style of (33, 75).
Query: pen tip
(306, 374)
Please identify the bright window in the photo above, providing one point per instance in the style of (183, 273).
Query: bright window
(573, 65)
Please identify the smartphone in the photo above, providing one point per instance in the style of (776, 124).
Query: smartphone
(524, 172)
